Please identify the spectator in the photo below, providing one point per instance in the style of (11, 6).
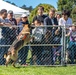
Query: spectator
(57, 49)
(46, 54)
(65, 20)
(5, 34)
(51, 20)
(40, 15)
(24, 51)
(72, 43)
(58, 16)
(18, 20)
(13, 29)
(37, 32)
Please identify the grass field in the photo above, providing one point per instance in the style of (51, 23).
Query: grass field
(38, 70)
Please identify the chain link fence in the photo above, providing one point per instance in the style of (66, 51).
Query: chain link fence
(47, 47)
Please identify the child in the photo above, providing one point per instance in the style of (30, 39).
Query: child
(72, 43)
(57, 34)
(37, 32)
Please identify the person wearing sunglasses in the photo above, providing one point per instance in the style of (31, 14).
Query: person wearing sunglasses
(22, 55)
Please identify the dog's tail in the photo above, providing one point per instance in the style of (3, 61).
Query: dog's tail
(8, 53)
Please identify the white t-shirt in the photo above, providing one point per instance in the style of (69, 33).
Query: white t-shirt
(67, 23)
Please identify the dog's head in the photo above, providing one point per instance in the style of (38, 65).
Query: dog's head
(26, 29)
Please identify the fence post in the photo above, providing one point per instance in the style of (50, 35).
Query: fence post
(63, 46)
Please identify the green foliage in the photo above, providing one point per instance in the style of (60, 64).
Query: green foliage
(65, 4)
(34, 11)
(61, 4)
(74, 14)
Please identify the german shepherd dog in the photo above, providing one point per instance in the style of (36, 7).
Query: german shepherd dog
(22, 39)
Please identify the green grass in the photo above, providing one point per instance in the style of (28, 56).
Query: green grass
(38, 70)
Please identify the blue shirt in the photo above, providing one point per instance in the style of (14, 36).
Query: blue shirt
(5, 30)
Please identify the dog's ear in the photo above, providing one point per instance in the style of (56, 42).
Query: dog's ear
(5, 55)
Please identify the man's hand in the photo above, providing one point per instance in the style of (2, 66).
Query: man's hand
(57, 32)
(7, 24)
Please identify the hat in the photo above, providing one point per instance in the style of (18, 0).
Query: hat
(10, 12)
(24, 15)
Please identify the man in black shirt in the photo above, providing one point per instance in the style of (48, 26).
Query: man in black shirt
(40, 15)
(51, 20)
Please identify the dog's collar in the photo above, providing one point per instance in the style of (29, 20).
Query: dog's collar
(25, 36)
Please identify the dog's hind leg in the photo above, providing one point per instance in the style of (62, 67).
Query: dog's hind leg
(13, 64)
(7, 60)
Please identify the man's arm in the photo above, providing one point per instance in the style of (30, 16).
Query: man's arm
(5, 23)
(1, 24)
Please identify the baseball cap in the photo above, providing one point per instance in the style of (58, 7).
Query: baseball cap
(24, 15)
(10, 12)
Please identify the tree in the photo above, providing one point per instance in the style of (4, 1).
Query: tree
(61, 4)
(74, 14)
(23, 6)
(30, 8)
(13, 4)
(34, 11)
(66, 4)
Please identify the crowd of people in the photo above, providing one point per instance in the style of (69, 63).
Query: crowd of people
(46, 29)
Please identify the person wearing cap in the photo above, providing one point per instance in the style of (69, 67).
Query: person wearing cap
(10, 17)
(13, 23)
(22, 55)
